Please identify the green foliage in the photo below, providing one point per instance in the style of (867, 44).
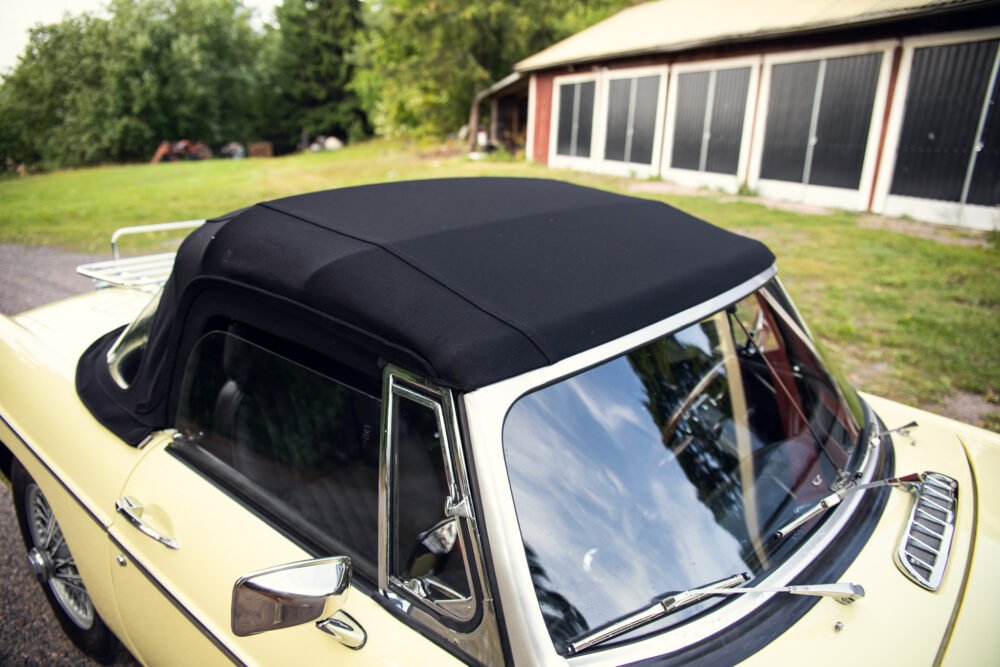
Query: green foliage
(906, 317)
(91, 90)
(51, 105)
(421, 63)
(307, 72)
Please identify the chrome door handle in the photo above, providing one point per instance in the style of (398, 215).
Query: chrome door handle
(132, 511)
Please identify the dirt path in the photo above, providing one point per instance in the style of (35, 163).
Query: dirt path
(33, 276)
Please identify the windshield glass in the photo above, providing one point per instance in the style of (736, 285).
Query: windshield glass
(672, 465)
(125, 355)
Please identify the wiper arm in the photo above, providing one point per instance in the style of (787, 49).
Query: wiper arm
(836, 497)
(844, 593)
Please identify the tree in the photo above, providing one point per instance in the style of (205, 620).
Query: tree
(310, 72)
(89, 90)
(420, 63)
(51, 105)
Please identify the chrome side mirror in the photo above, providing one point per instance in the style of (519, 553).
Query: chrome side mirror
(291, 594)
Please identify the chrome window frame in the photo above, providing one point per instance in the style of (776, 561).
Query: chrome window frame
(487, 410)
(116, 355)
(482, 641)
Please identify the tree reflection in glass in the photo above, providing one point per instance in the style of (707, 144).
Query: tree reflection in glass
(668, 467)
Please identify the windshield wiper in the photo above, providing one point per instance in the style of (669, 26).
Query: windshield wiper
(844, 593)
(836, 497)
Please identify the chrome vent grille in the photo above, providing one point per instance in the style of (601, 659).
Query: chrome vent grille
(923, 549)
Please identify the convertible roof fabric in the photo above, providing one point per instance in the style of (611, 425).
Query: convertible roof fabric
(474, 280)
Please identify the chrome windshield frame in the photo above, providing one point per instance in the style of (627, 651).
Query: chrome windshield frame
(486, 410)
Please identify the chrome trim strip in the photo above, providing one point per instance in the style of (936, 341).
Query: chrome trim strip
(184, 611)
(487, 408)
(48, 468)
(969, 558)
(920, 561)
(522, 384)
(212, 637)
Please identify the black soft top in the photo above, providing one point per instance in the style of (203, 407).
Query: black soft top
(469, 281)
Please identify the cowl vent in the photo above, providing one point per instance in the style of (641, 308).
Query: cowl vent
(923, 548)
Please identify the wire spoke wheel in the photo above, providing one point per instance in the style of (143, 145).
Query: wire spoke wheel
(52, 562)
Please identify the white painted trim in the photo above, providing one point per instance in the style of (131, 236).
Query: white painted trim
(940, 39)
(571, 161)
(595, 162)
(943, 212)
(693, 178)
(487, 408)
(817, 194)
(922, 209)
(632, 169)
(529, 137)
(827, 52)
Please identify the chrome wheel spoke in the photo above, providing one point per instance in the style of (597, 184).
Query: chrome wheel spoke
(69, 577)
(63, 578)
(60, 541)
(74, 586)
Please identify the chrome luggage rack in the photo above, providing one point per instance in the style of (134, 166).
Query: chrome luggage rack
(147, 272)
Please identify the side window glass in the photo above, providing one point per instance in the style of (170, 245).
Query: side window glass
(427, 554)
(300, 446)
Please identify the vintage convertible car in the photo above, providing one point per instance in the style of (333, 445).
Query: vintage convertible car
(492, 421)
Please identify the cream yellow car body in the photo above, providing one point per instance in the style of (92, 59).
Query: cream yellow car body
(174, 606)
(83, 469)
(898, 622)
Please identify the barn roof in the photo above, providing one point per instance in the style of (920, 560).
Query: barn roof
(678, 25)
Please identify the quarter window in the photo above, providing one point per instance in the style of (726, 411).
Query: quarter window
(127, 352)
(427, 554)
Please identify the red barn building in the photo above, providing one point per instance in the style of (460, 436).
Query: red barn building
(891, 106)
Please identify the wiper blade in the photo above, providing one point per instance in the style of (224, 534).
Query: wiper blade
(657, 610)
(844, 593)
(836, 497)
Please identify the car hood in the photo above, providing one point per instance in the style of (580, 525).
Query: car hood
(64, 329)
(897, 621)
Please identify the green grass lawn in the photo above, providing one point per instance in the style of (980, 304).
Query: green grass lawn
(915, 319)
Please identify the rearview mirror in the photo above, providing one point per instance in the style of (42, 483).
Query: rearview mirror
(291, 594)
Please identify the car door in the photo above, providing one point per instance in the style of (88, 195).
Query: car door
(275, 462)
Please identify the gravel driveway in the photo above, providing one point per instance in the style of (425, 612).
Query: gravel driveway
(29, 633)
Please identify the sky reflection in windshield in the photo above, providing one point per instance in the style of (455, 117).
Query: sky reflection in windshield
(669, 467)
(629, 523)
